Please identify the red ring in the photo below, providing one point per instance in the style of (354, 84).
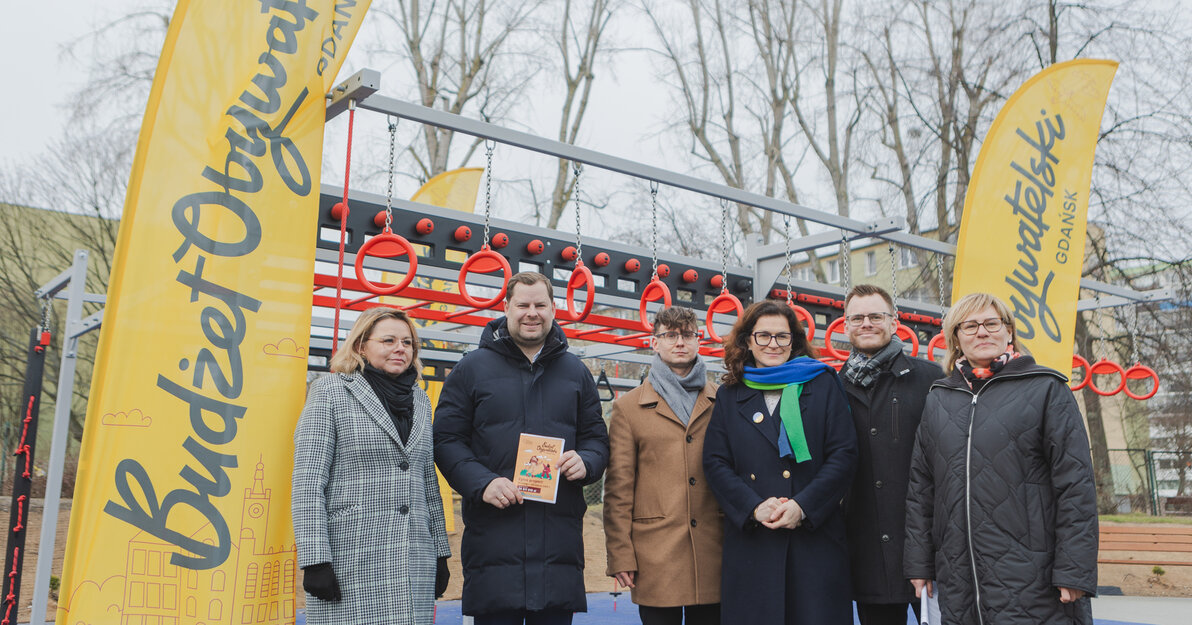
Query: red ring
(1079, 362)
(665, 295)
(1139, 371)
(804, 316)
(905, 333)
(393, 245)
(833, 328)
(585, 273)
(724, 296)
(1106, 367)
(937, 342)
(493, 258)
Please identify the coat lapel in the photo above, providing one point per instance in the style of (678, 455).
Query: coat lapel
(364, 394)
(752, 405)
(703, 404)
(650, 396)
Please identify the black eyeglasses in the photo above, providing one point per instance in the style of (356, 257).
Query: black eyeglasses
(969, 328)
(874, 318)
(673, 336)
(762, 339)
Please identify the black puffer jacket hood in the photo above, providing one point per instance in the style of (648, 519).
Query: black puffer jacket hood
(1001, 504)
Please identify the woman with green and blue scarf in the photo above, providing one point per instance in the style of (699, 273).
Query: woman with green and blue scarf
(779, 456)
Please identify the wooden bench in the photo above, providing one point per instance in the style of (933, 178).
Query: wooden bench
(1141, 541)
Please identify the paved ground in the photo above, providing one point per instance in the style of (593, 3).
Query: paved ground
(1106, 611)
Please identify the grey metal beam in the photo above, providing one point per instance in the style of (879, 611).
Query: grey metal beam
(356, 87)
(76, 280)
(405, 110)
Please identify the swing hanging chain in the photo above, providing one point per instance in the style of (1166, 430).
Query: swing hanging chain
(893, 278)
(845, 251)
(1134, 334)
(577, 169)
(489, 146)
(1099, 319)
(939, 278)
(389, 188)
(723, 246)
(654, 228)
(786, 230)
(45, 315)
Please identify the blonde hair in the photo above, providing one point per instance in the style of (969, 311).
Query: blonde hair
(348, 359)
(967, 305)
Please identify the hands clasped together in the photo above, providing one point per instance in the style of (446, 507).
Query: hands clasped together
(779, 513)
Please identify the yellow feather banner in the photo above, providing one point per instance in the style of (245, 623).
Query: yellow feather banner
(1023, 231)
(182, 507)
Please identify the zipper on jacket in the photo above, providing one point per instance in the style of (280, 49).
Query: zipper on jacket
(968, 506)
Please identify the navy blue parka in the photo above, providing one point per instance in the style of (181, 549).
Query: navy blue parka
(529, 556)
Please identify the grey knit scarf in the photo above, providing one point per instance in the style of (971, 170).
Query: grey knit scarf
(678, 393)
(863, 370)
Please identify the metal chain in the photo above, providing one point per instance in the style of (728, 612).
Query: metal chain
(1099, 318)
(845, 252)
(654, 227)
(893, 276)
(786, 231)
(1134, 334)
(939, 278)
(389, 189)
(723, 245)
(577, 168)
(489, 146)
(45, 315)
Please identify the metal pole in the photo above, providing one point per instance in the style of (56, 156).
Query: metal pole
(49, 516)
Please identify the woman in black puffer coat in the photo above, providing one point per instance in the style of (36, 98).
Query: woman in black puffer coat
(1001, 507)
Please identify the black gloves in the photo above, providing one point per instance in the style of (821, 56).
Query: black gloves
(442, 576)
(319, 580)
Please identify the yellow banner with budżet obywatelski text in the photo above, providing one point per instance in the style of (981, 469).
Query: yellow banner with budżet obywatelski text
(182, 504)
(1023, 231)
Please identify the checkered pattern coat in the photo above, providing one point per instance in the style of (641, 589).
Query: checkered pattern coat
(367, 504)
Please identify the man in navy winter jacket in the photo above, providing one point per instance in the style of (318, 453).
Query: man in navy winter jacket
(523, 560)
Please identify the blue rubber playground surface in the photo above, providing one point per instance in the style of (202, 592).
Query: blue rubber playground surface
(604, 609)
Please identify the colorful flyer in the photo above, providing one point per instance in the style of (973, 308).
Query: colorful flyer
(536, 472)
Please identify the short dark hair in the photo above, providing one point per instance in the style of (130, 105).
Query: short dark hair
(529, 278)
(865, 290)
(736, 344)
(676, 318)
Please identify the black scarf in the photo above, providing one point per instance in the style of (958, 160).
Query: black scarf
(396, 394)
(977, 377)
(863, 370)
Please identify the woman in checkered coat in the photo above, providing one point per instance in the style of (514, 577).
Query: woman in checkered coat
(368, 517)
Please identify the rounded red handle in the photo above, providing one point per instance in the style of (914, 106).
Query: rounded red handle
(655, 289)
(1106, 367)
(907, 334)
(833, 328)
(1079, 362)
(387, 245)
(715, 307)
(484, 261)
(807, 319)
(580, 275)
(937, 342)
(1139, 371)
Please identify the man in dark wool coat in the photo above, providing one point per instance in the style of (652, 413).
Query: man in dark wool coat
(886, 390)
(523, 560)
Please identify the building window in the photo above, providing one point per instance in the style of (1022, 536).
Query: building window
(217, 581)
(834, 271)
(870, 263)
(250, 581)
(906, 258)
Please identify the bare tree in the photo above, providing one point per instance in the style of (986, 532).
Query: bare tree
(460, 55)
(579, 42)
